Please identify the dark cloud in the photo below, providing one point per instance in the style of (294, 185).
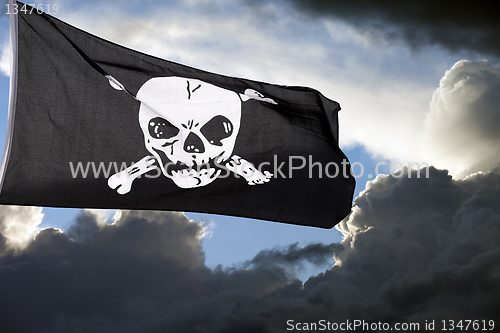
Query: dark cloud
(432, 245)
(456, 26)
(3, 244)
(145, 257)
(293, 254)
(415, 249)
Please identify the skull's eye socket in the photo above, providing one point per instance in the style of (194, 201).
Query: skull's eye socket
(216, 129)
(160, 128)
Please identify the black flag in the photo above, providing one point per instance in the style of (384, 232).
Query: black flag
(93, 124)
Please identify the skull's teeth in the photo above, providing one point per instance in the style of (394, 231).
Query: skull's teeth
(194, 173)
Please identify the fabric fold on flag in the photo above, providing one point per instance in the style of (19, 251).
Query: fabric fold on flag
(93, 124)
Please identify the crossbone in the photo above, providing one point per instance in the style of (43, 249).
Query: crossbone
(122, 181)
(247, 170)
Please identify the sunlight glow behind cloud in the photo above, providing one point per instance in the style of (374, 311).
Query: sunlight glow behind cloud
(461, 131)
(19, 225)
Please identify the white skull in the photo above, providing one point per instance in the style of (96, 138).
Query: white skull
(188, 125)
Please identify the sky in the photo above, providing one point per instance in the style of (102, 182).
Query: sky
(417, 82)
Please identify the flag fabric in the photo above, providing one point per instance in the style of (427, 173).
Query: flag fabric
(93, 124)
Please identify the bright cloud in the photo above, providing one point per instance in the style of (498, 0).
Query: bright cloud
(5, 59)
(461, 131)
(19, 225)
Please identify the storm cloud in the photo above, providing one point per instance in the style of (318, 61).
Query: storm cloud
(457, 26)
(414, 249)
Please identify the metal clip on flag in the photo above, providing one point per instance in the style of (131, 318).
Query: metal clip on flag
(184, 139)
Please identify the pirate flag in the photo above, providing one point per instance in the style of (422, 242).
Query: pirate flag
(93, 124)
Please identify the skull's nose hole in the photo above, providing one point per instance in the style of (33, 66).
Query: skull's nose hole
(193, 144)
